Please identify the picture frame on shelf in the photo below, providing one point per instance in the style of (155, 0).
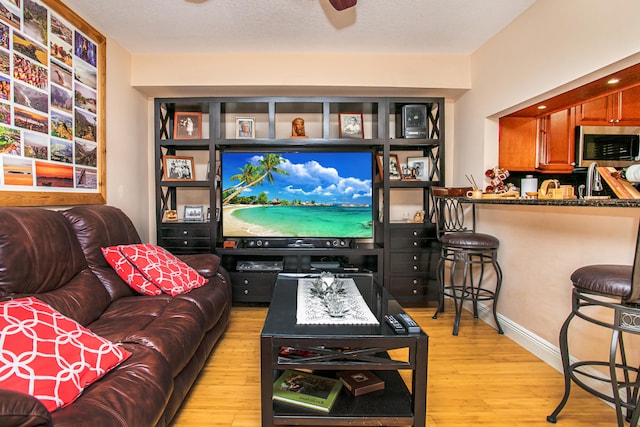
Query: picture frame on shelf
(419, 168)
(245, 127)
(394, 170)
(178, 168)
(351, 125)
(187, 125)
(170, 215)
(194, 213)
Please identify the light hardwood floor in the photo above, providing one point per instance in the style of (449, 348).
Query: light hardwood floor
(478, 378)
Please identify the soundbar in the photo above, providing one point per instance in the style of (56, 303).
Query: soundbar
(298, 243)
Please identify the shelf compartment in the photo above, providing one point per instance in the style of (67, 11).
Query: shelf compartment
(389, 407)
(259, 111)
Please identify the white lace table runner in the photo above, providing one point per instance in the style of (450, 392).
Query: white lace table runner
(312, 310)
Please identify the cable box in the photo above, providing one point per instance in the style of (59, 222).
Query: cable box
(325, 265)
(259, 266)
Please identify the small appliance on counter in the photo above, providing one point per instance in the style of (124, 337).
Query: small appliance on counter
(528, 184)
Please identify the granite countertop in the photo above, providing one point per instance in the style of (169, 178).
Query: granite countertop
(621, 203)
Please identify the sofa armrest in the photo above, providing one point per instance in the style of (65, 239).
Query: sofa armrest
(22, 410)
(206, 265)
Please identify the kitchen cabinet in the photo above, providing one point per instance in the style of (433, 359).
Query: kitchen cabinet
(556, 141)
(619, 109)
(545, 144)
(517, 147)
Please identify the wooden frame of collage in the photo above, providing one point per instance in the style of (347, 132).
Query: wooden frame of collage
(70, 58)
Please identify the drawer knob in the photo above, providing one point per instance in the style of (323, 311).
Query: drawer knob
(415, 243)
(415, 257)
(246, 291)
(415, 233)
(415, 268)
(414, 281)
(185, 232)
(246, 282)
(186, 243)
(414, 291)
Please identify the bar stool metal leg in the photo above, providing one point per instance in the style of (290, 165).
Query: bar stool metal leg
(624, 390)
(468, 287)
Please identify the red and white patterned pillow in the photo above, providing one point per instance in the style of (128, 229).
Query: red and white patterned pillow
(163, 269)
(49, 356)
(128, 272)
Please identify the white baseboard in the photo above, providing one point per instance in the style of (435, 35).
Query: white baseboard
(543, 349)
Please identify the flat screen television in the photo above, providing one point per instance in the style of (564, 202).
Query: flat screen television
(306, 194)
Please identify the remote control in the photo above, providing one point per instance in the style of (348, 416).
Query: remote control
(395, 325)
(408, 322)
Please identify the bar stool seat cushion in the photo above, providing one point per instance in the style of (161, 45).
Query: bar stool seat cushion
(469, 240)
(605, 279)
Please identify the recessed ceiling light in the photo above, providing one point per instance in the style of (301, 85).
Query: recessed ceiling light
(541, 107)
(613, 81)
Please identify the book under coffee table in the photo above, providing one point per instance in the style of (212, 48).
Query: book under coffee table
(329, 348)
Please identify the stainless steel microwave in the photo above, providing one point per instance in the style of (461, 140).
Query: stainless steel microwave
(617, 146)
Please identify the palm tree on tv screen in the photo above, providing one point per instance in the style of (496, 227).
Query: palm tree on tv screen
(251, 175)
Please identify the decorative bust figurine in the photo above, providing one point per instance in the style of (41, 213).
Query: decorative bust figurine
(297, 128)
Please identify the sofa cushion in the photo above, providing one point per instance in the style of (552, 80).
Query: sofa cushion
(48, 355)
(174, 327)
(129, 273)
(162, 268)
(134, 394)
(101, 226)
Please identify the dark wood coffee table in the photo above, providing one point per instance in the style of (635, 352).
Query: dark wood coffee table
(345, 347)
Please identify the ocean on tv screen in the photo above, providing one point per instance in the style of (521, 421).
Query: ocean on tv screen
(297, 194)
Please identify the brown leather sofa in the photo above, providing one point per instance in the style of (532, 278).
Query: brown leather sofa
(56, 256)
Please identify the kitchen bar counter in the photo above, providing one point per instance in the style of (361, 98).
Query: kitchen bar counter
(609, 203)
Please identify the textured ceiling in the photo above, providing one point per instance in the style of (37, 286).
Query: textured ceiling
(373, 26)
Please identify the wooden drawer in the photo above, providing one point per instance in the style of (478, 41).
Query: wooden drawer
(416, 286)
(186, 231)
(252, 287)
(186, 242)
(414, 262)
(412, 237)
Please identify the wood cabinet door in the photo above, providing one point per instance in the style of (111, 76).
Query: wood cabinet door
(595, 112)
(619, 109)
(629, 107)
(517, 145)
(556, 141)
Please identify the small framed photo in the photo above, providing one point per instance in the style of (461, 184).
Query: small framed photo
(170, 215)
(394, 166)
(245, 127)
(418, 168)
(178, 168)
(194, 213)
(187, 126)
(351, 125)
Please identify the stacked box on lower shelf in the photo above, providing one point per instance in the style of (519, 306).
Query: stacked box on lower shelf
(306, 390)
(393, 401)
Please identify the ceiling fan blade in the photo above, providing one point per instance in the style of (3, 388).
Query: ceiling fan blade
(342, 4)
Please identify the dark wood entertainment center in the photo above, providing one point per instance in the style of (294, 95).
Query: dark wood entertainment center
(402, 254)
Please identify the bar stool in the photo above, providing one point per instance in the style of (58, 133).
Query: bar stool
(466, 252)
(617, 289)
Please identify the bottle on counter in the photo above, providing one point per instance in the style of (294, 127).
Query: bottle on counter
(631, 174)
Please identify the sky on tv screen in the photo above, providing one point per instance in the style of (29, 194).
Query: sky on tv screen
(311, 177)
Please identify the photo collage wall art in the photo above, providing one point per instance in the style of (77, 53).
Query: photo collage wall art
(48, 101)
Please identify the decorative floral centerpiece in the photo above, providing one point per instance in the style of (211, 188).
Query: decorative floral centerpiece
(327, 287)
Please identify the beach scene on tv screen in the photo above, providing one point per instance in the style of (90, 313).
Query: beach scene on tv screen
(301, 194)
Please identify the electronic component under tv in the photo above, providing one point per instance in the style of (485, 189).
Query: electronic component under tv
(297, 195)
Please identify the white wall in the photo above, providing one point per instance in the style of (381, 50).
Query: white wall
(128, 173)
(549, 49)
